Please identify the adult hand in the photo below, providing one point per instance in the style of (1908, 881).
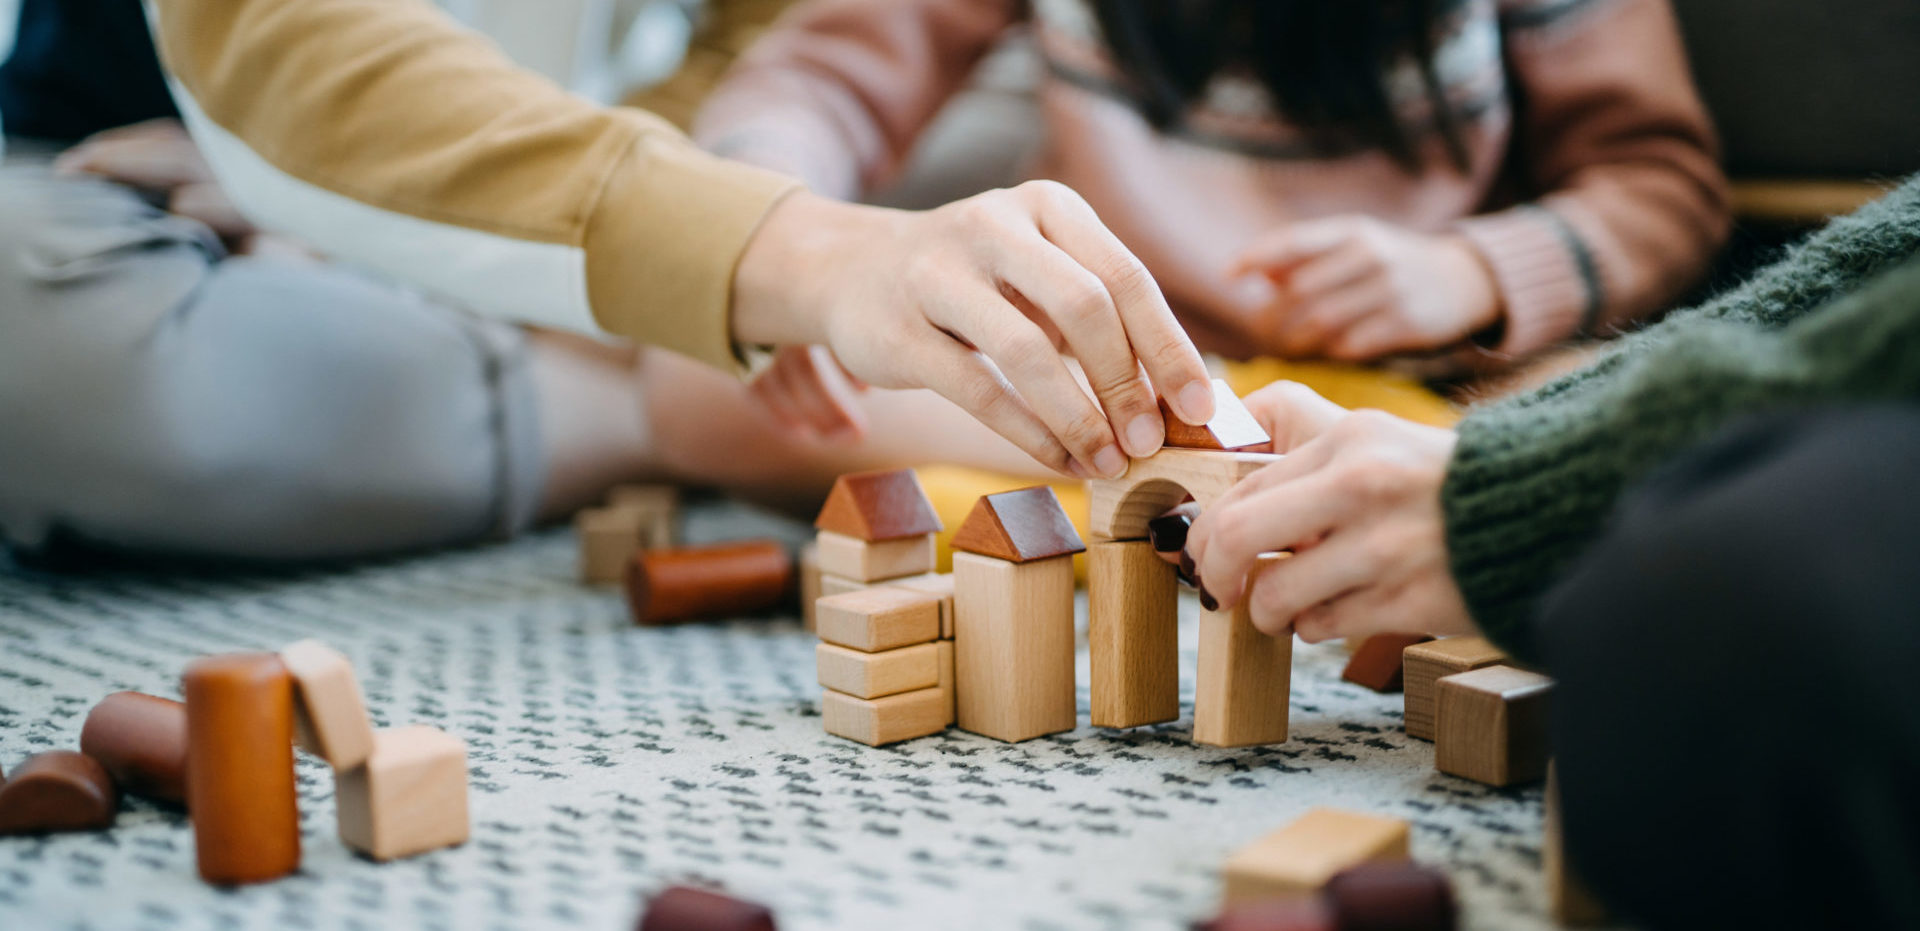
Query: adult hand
(1356, 288)
(977, 300)
(156, 155)
(811, 394)
(1358, 505)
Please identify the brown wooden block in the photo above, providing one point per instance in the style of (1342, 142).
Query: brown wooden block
(1013, 646)
(1272, 915)
(1241, 681)
(608, 539)
(329, 715)
(947, 681)
(1122, 507)
(831, 585)
(141, 740)
(1233, 427)
(240, 786)
(58, 790)
(1425, 663)
(878, 506)
(1018, 526)
(682, 908)
(1377, 663)
(656, 509)
(409, 798)
(1491, 725)
(854, 558)
(877, 721)
(876, 619)
(1392, 896)
(933, 583)
(809, 582)
(700, 582)
(872, 675)
(1568, 899)
(1132, 635)
(1299, 859)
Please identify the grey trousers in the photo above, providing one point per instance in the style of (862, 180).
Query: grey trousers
(157, 395)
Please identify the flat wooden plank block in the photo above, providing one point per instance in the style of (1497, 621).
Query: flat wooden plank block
(1121, 507)
(1490, 725)
(1424, 663)
(876, 619)
(1013, 646)
(809, 582)
(877, 721)
(854, 558)
(872, 675)
(330, 715)
(409, 798)
(1133, 635)
(1378, 665)
(1297, 860)
(1241, 682)
(933, 583)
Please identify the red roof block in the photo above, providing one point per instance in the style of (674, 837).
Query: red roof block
(878, 506)
(1019, 526)
(1231, 428)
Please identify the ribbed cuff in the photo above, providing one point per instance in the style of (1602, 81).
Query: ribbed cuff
(1547, 288)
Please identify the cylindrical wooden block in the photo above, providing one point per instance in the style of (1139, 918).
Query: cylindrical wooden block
(142, 741)
(240, 788)
(58, 790)
(666, 586)
(680, 908)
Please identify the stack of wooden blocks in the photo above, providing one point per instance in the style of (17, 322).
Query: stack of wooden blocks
(635, 517)
(1486, 717)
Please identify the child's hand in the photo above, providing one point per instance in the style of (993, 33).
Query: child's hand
(809, 392)
(156, 155)
(1356, 288)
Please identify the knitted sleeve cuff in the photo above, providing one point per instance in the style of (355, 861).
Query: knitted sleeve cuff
(1546, 279)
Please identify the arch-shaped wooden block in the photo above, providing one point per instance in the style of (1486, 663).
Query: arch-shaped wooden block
(1122, 506)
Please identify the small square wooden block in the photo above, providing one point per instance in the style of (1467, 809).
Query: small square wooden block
(410, 796)
(1297, 860)
(1491, 725)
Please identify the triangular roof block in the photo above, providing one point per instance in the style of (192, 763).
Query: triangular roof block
(1019, 526)
(1231, 428)
(878, 506)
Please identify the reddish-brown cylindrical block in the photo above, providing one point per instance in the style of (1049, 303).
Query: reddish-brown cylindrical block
(665, 586)
(680, 908)
(142, 741)
(240, 790)
(58, 790)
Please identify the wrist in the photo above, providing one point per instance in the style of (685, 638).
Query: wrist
(786, 278)
(1478, 290)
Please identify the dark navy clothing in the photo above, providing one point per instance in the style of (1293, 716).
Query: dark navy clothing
(78, 67)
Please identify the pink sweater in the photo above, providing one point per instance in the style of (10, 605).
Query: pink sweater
(1593, 190)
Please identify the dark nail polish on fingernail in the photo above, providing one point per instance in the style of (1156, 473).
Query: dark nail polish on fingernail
(1186, 578)
(1207, 600)
(1169, 532)
(1186, 564)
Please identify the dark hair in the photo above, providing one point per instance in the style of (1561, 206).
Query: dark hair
(1325, 62)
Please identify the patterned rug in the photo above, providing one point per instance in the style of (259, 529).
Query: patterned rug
(608, 761)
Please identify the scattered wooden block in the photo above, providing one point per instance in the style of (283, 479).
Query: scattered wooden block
(1272, 915)
(240, 784)
(854, 558)
(656, 509)
(947, 682)
(1299, 859)
(876, 619)
(809, 582)
(608, 539)
(410, 796)
(1122, 507)
(329, 714)
(1568, 899)
(1377, 664)
(1132, 635)
(877, 721)
(1491, 725)
(700, 582)
(1233, 427)
(875, 506)
(58, 790)
(1013, 646)
(1242, 679)
(872, 675)
(1403, 896)
(831, 585)
(681, 908)
(1425, 663)
(1024, 525)
(933, 583)
(141, 740)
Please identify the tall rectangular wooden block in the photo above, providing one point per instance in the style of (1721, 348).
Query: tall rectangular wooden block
(876, 721)
(1132, 635)
(1013, 646)
(854, 558)
(1491, 725)
(1297, 860)
(871, 675)
(1241, 685)
(1425, 663)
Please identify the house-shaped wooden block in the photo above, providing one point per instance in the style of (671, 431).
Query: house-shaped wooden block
(1233, 427)
(877, 525)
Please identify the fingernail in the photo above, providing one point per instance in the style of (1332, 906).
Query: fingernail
(1110, 462)
(1186, 564)
(1196, 401)
(1144, 435)
(1186, 578)
(1168, 532)
(1207, 600)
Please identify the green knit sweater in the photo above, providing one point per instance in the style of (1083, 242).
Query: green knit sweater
(1534, 477)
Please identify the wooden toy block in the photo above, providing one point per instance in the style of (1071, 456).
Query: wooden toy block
(682, 908)
(141, 740)
(876, 619)
(1400, 895)
(876, 506)
(1121, 507)
(947, 683)
(854, 558)
(831, 585)
(1568, 900)
(608, 539)
(809, 582)
(1491, 725)
(873, 675)
(1242, 679)
(58, 790)
(1018, 526)
(240, 785)
(329, 715)
(1377, 663)
(1233, 427)
(933, 583)
(1425, 663)
(1298, 860)
(877, 721)
(1132, 635)
(700, 582)
(656, 508)
(1272, 915)
(1013, 646)
(409, 798)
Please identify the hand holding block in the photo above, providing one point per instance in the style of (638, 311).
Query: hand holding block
(1297, 860)
(240, 787)
(877, 619)
(409, 798)
(695, 582)
(329, 715)
(872, 675)
(1425, 663)
(142, 742)
(59, 790)
(854, 558)
(1491, 725)
(877, 721)
(1378, 664)
(680, 908)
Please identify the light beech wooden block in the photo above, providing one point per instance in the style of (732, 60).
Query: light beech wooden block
(1121, 507)
(1132, 635)
(410, 796)
(876, 619)
(1297, 860)
(831, 585)
(608, 539)
(655, 509)
(1013, 646)
(946, 677)
(1568, 900)
(877, 721)
(872, 675)
(933, 583)
(809, 583)
(1425, 663)
(329, 714)
(1242, 680)
(854, 558)
(1490, 725)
